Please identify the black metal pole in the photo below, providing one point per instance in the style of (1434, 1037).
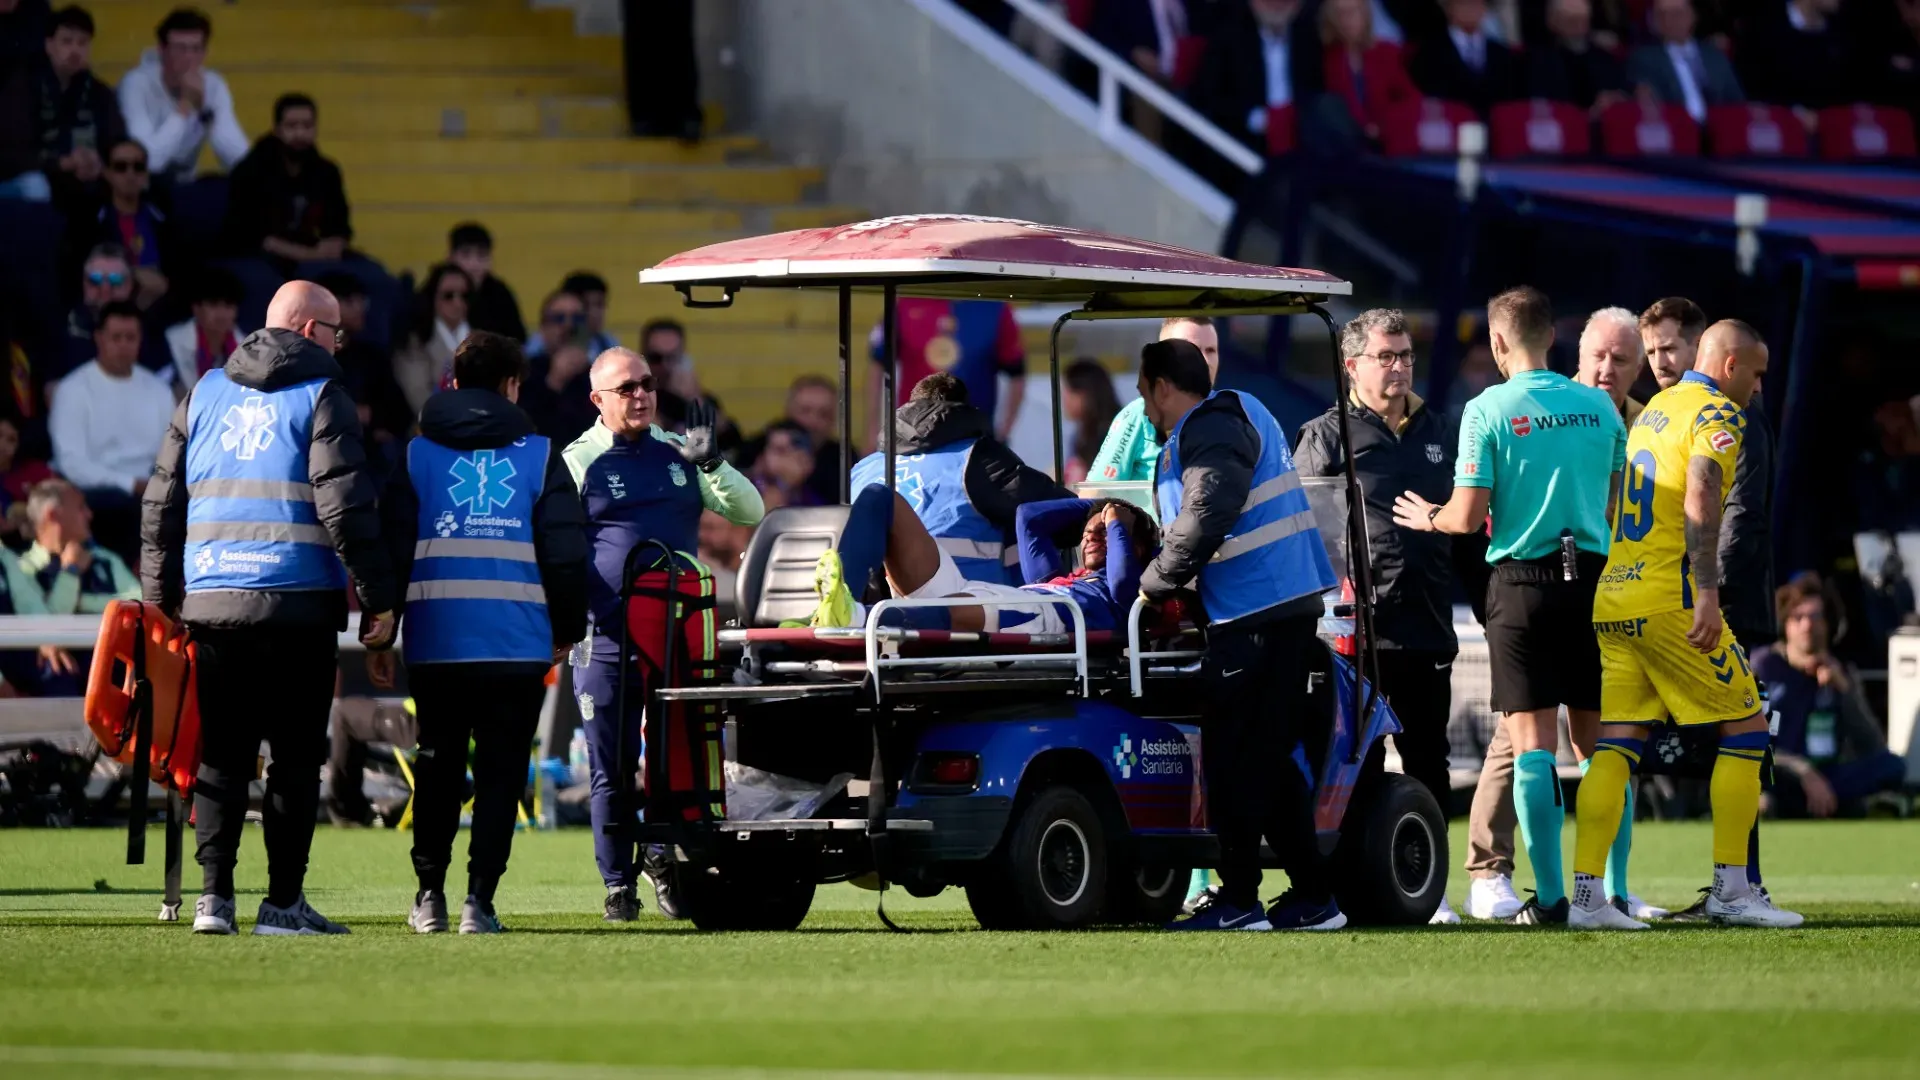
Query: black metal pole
(1053, 373)
(846, 393)
(889, 390)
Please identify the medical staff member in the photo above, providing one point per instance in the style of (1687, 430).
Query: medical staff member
(966, 486)
(639, 483)
(1543, 454)
(259, 511)
(1238, 531)
(488, 542)
(1132, 446)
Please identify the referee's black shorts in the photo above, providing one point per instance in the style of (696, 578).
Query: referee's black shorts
(1540, 641)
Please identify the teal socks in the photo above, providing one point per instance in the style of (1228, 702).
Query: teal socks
(1197, 884)
(1622, 844)
(1536, 799)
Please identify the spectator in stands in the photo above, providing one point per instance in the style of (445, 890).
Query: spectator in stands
(1467, 65)
(812, 402)
(722, 543)
(1677, 70)
(492, 307)
(975, 341)
(79, 118)
(204, 341)
(18, 474)
(1800, 53)
(174, 105)
(1886, 481)
(1573, 66)
(107, 423)
(1145, 32)
(385, 418)
(785, 466)
(1830, 756)
(424, 364)
(1363, 71)
(129, 219)
(664, 344)
(1087, 399)
(557, 393)
(591, 288)
(1256, 60)
(106, 277)
(75, 574)
(23, 25)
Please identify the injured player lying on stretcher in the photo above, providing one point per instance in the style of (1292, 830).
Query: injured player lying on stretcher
(882, 531)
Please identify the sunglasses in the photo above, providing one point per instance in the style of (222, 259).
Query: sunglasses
(125, 166)
(96, 277)
(339, 332)
(642, 385)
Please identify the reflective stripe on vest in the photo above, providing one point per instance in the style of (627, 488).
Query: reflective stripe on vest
(475, 593)
(1273, 552)
(934, 483)
(251, 519)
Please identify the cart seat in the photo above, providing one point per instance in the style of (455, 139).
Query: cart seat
(776, 573)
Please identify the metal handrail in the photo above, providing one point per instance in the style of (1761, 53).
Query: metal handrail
(874, 632)
(1135, 669)
(1116, 73)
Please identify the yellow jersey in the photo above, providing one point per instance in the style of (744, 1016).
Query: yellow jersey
(1647, 571)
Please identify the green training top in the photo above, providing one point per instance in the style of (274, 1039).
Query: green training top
(1548, 447)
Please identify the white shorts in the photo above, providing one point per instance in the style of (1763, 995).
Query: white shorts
(1022, 619)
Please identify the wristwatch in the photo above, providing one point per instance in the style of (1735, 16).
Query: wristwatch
(1433, 512)
(712, 464)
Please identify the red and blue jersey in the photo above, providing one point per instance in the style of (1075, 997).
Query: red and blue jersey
(976, 341)
(1104, 596)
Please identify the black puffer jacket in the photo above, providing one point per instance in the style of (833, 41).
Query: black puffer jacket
(997, 480)
(344, 496)
(1746, 536)
(483, 420)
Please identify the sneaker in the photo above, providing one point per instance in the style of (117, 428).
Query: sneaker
(300, 918)
(1292, 911)
(1605, 917)
(1493, 898)
(622, 904)
(1635, 908)
(1696, 911)
(830, 585)
(1444, 915)
(1754, 909)
(1221, 915)
(213, 915)
(1534, 913)
(478, 918)
(1201, 900)
(658, 870)
(429, 912)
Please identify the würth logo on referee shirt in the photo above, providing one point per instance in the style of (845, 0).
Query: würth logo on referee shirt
(1522, 425)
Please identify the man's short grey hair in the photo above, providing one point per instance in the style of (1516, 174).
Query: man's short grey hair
(1353, 339)
(46, 495)
(1619, 316)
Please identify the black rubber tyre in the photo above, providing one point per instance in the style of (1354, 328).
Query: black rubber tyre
(1390, 868)
(1145, 895)
(1050, 871)
(734, 900)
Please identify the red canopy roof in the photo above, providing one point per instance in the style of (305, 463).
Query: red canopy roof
(959, 256)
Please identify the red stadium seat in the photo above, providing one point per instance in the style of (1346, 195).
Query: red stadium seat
(1755, 130)
(1636, 129)
(1855, 132)
(1538, 128)
(1428, 126)
(1281, 130)
(1188, 54)
(1080, 12)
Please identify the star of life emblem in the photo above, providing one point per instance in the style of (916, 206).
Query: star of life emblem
(481, 481)
(248, 427)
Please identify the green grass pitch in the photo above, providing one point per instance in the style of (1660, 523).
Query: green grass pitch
(91, 986)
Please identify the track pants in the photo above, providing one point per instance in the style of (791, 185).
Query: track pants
(258, 682)
(595, 686)
(1419, 687)
(499, 713)
(1257, 700)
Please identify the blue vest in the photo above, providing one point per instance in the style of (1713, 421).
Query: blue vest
(475, 593)
(251, 522)
(1274, 552)
(934, 483)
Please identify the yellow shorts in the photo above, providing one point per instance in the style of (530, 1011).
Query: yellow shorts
(1649, 671)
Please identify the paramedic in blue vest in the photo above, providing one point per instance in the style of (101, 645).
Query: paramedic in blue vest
(486, 534)
(1238, 531)
(639, 483)
(259, 515)
(966, 486)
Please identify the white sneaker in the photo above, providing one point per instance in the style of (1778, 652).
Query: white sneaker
(1444, 915)
(1493, 898)
(1604, 917)
(1754, 909)
(1634, 907)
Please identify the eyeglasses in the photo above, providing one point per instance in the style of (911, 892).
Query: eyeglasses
(642, 385)
(115, 279)
(339, 332)
(453, 294)
(1403, 358)
(125, 166)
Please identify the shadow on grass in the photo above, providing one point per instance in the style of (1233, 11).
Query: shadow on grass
(91, 890)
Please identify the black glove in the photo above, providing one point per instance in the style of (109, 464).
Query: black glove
(700, 447)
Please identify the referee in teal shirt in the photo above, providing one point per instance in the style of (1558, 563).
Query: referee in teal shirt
(1544, 455)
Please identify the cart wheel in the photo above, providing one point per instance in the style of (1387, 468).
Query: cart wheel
(1390, 868)
(729, 899)
(1050, 872)
(1149, 895)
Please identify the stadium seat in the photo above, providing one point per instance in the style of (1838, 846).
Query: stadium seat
(1080, 12)
(1538, 128)
(1859, 132)
(1755, 130)
(1429, 126)
(1637, 129)
(1188, 54)
(775, 583)
(1282, 130)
